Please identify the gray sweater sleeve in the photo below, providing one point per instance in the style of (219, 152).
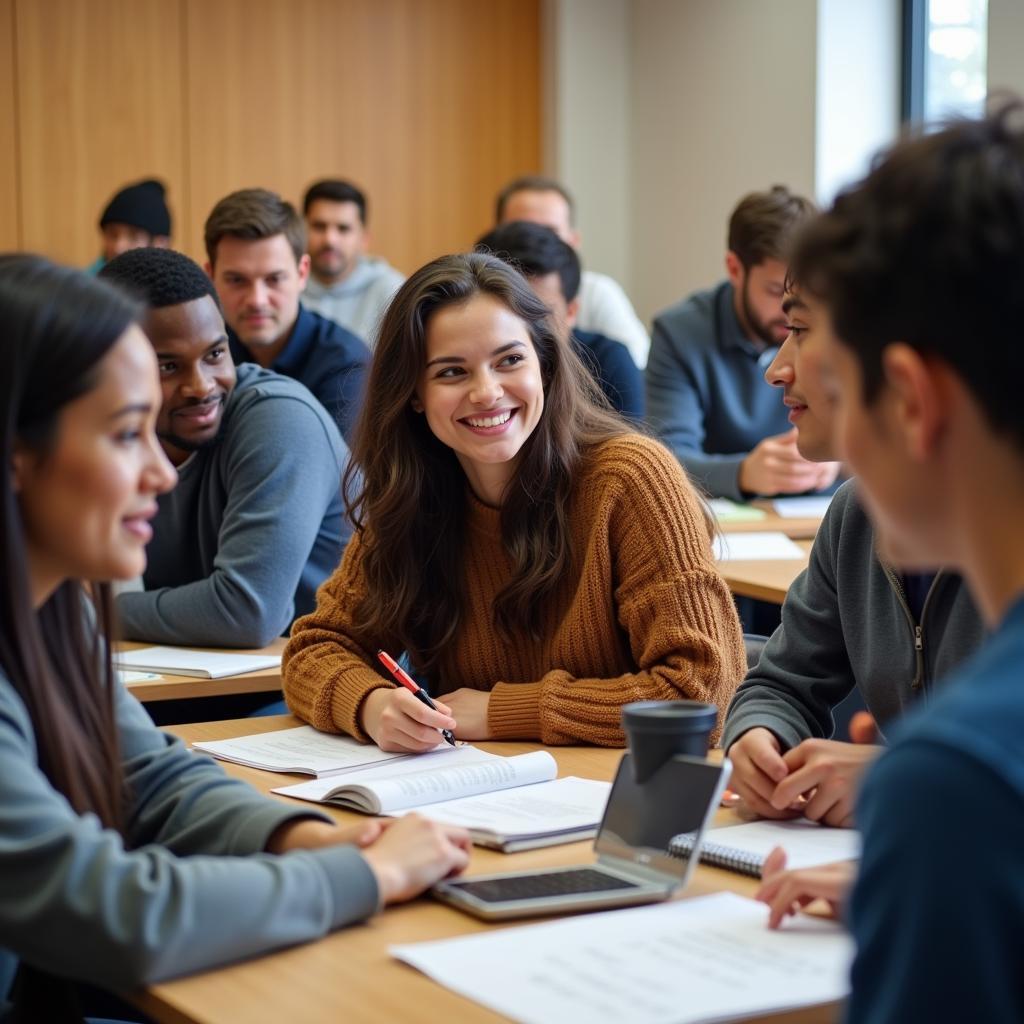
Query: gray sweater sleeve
(282, 477)
(804, 670)
(676, 409)
(189, 891)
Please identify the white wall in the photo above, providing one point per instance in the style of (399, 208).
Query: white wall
(723, 104)
(587, 139)
(1006, 45)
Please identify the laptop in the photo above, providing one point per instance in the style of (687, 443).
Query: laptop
(633, 860)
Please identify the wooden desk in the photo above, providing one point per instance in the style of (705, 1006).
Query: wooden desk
(765, 580)
(796, 529)
(264, 680)
(349, 975)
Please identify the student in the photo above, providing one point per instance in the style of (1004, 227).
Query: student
(706, 394)
(256, 252)
(124, 858)
(919, 268)
(135, 217)
(850, 621)
(256, 522)
(553, 270)
(540, 565)
(604, 306)
(345, 284)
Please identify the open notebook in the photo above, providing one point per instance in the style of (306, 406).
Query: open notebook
(507, 803)
(182, 661)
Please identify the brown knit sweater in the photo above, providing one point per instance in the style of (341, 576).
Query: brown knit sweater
(645, 616)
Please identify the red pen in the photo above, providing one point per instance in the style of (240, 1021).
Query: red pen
(410, 684)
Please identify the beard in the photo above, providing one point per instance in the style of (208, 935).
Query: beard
(183, 444)
(762, 330)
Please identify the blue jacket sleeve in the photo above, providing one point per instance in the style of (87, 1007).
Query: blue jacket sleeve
(938, 907)
(78, 901)
(675, 408)
(282, 480)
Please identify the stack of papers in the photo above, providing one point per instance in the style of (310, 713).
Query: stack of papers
(810, 507)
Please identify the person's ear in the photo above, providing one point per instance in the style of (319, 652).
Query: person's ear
(734, 268)
(208, 269)
(416, 404)
(920, 398)
(21, 463)
(303, 268)
(572, 312)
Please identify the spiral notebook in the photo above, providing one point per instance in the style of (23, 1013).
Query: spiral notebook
(743, 848)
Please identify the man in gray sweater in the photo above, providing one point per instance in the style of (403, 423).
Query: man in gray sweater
(256, 522)
(849, 621)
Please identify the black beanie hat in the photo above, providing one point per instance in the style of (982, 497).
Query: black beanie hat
(142, 206)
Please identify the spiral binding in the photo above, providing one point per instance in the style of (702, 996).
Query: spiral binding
(718, 855)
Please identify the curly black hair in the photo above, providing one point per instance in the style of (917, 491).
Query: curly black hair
(159, 277)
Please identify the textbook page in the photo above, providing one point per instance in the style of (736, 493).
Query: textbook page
(460, 774)
(302, 749)
(766, 545)
(705, 959)
(516, 816)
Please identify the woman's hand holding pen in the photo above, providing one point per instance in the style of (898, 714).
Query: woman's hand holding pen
(413, 853)
(398, 722)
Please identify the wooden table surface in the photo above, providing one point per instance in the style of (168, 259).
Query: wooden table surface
(264, 680)
(766, 580)
(349, 976)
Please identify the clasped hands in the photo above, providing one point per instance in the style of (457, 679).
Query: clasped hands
(817, 779)
(396, 721)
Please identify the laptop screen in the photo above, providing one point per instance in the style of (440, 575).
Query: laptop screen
(640, 820)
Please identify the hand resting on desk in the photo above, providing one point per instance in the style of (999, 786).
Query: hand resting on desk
(406, 855)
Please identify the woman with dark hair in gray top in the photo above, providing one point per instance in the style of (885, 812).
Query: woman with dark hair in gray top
(123, 857)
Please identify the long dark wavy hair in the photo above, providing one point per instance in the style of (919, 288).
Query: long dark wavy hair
(57, 324)
(409, 503)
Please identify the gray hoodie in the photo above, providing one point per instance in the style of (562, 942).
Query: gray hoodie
(846, 624)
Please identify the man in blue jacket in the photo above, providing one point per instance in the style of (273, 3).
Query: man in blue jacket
(256, 251)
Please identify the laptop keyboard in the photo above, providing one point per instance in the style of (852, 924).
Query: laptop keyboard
(554, 883)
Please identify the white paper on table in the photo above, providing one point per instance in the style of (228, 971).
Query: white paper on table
(183, 661)
(807, 844)
(756, 547)
(301, 749)
(685, 962)
(812, 506)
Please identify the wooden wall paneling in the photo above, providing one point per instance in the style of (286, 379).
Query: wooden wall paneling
(429, 106)
(100, 104)
(10, 230)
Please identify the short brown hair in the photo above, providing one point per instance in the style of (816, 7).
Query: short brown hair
(763, 223)
(532, 183)
(252, 214)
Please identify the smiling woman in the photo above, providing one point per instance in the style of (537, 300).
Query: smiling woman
(540, 562)
(123, 858)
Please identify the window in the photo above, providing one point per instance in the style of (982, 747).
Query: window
(944, 59)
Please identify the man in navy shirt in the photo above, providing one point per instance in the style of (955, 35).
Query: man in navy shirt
(920, 269)
(256, 247)
(706, 392)
(553, 270)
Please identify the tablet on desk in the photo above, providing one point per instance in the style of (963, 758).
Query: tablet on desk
(634, 864)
